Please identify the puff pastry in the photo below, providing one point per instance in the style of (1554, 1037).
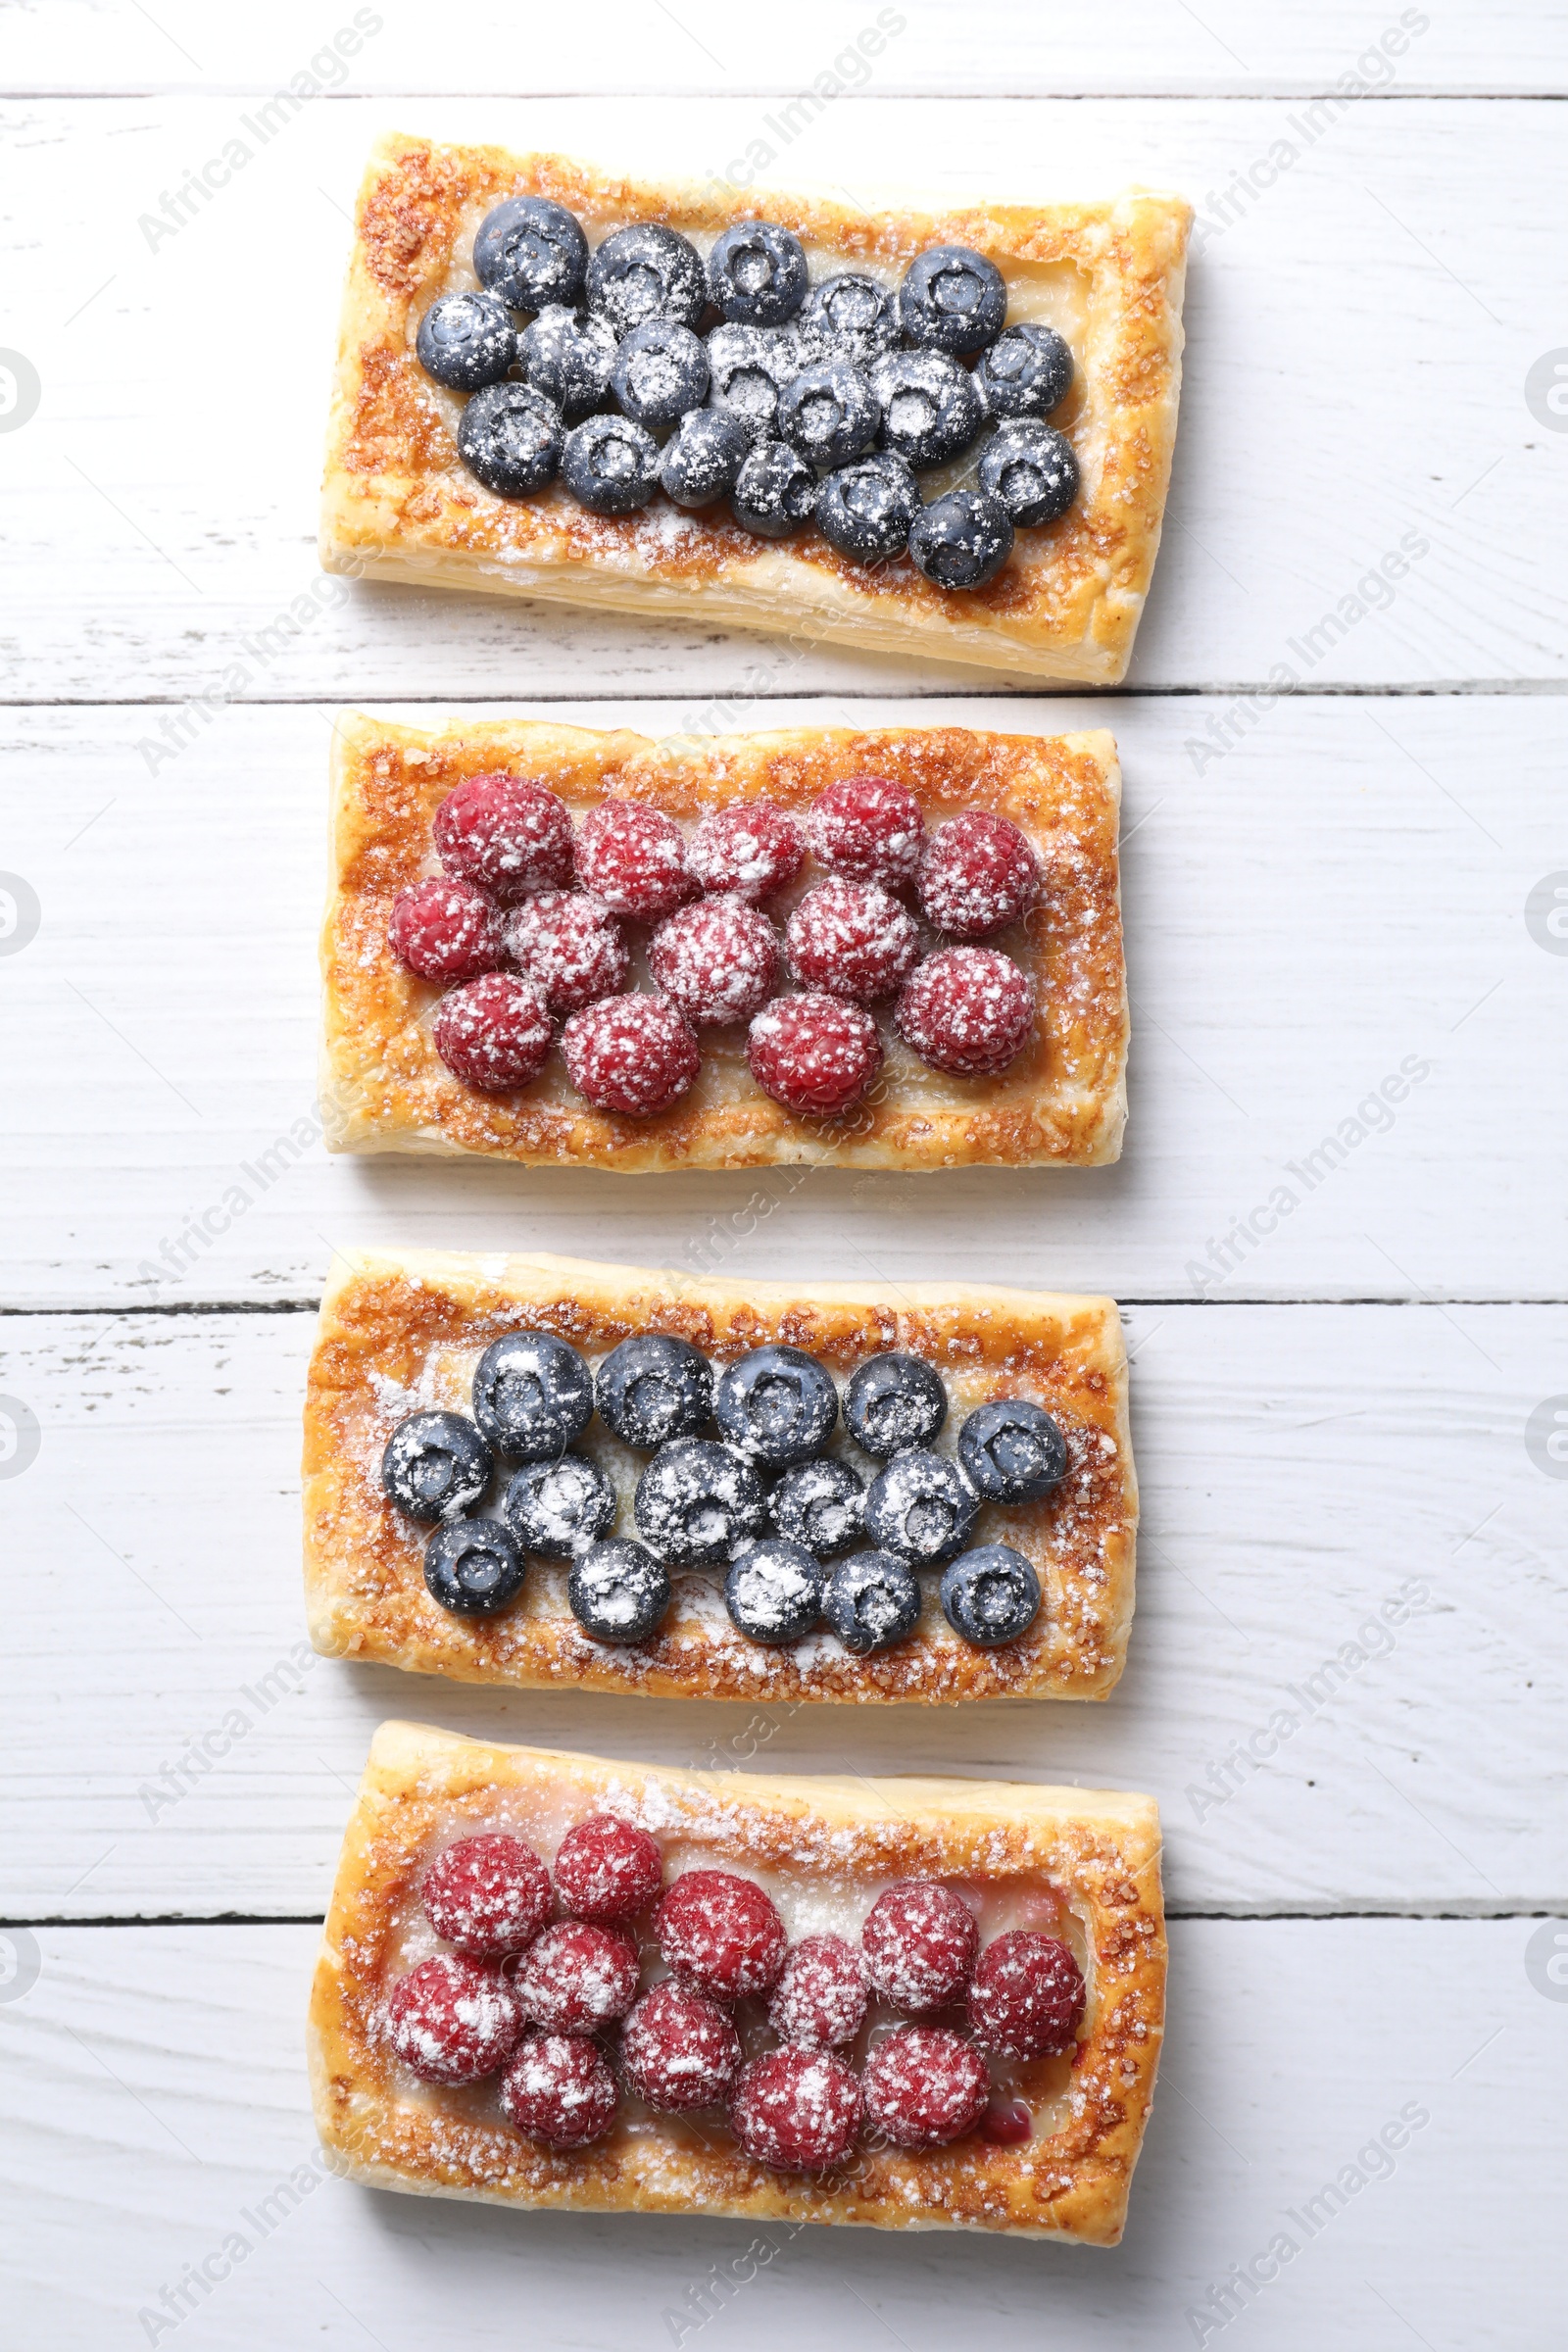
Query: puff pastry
(402, 1331)
(399, 505)
(827, 1844)
(1062, 1103)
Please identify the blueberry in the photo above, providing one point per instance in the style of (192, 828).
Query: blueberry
(660, 371)
(872, 1601)
(778, 1404)
(509, 436)
(703, 458)
(852, 314)
(646, 271)
(533, 1395)
(952, 300)
(920, 1509)
(1026, 371)
(435, 1465)
(532, 253)
(618, 1591)
(865, 510)
(568, 360)
(748, 368)
(1031, 470)
(821, 1506)
(774, 491)
(473, 1567)
(931, 409)
(990, 1595)
(609, 465)
(774, 1593)
(695, 1501)
(757, 273)
(466, 341)
(894, 1401)
(652, 1389)
(962, 540)
(829, 413)
(559, 1508)
(1012, 1451)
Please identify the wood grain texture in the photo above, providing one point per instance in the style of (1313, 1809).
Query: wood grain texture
(1341, 1526)
(1362, 494)
(1340, 898)
(155, 2093)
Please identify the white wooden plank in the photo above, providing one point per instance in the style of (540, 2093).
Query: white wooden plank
(1360, 331)
(939, 48)
(1312, 1478)
(156, 2101)
(1341, 897)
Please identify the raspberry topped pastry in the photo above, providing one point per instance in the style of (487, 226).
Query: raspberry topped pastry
(792, 2065)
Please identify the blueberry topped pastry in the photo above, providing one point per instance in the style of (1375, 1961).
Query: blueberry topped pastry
(1026, 371)
(466, 341)
(773, 1591)
(473, 1567)
(530, 252)
(990, 1595)
(819, 1504)
(757, 273)
(609, 465)
(866, 510)
(618, 1593)
(962, 540)
(952, 300)
(559, 1507)
(533, 1395)
(646, 271)
(778, 1405)
(872, 1601)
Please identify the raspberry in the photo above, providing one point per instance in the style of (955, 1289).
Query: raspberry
(853, 939)
(924, 2087)
(630, 1054)
(720, 1932)
(1026, 1997)
(978, 872)
(797, 2110)
(451, 2021)
(488, 1895)
(634, 858)
(606, 1870)
(819, 1999)
(570, 946)
(574, 1979)
(679, 2051)
(1007, 2121)
(717, 960)
(445, 931)
(751, 849)
(919, 1942)
(814, 1053)
(494, 1034)
(868, 829)
(969, 1010)
(558, 2089)
(509, 834)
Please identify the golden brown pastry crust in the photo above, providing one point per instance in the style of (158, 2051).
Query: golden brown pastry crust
(399, 504)
(401, 1332)
(1099, 1849)
(1061, 1103)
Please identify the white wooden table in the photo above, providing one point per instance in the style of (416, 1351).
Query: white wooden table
(1337, 1401)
